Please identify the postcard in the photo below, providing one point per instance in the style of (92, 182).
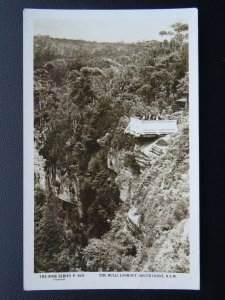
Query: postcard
(111, 149)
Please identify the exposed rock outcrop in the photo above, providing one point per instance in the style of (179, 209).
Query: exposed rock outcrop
(60, 184)
(133, 215)
(155, 213)
(126, 180)
(147, 152)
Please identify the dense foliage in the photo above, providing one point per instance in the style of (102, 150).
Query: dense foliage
(84, 93)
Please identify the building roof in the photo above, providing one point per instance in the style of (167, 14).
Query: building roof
(147, 128)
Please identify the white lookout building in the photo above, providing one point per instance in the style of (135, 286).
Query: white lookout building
(150, 128)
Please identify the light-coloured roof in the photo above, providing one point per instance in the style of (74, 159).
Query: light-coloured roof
(145, 128)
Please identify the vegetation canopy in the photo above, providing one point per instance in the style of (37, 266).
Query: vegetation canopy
(84, 94)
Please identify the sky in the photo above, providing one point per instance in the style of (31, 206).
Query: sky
(107, 26)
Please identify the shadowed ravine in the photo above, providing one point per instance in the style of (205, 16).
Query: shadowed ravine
(107, 199)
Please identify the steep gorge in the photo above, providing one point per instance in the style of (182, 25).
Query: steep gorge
(105, 201)
(150, 230)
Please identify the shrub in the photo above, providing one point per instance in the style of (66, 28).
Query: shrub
(126, 263)
(149, 239)
(40, 197)
(101, 255)
(130, 161)
(181, 210)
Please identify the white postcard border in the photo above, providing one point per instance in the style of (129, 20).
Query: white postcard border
(111, 280)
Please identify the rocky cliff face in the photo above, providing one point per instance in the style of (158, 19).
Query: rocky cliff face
(155, 213)
(126, 179)
(61, 185)
(147, 152)
(150, 229)
(58, 213)
(64, 186)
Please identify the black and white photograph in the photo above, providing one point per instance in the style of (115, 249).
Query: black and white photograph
(111, 149)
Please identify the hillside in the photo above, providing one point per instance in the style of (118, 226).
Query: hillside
(150, 230)
(105, 200)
